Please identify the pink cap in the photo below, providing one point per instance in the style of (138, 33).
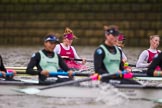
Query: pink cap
(121, 37)
(69, 36)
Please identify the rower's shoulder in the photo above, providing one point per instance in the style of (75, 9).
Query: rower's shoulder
(99, 50)
(36, 54)
(144, 53)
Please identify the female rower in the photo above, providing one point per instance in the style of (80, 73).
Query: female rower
(47, 62)
(120, 44)
(147, 56)
(7, 74)
(108, 57)
(68, 52)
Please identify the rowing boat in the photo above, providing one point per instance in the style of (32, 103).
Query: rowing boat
(93, 89)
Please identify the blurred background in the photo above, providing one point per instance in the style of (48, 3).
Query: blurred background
(25, 22)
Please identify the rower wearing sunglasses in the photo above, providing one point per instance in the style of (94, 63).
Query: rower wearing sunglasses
(48, 62)
(108, 58)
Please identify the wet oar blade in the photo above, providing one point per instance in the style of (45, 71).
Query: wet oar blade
(29, 90)
(158, 100)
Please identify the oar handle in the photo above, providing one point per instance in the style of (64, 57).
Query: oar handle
(8, 74)
(53, 74)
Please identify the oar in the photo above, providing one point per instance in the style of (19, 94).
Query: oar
(19, 82)
(53, 74)
(139, 75)
(77, 59)
(18, 68)
(37, 90)
(92, 77)
(135, 73)
(157, 100)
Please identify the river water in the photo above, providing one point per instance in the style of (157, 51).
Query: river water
(20, 56)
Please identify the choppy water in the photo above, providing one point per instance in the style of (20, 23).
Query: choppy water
(20, 56)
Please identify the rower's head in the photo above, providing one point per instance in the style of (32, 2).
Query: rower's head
(120, 40)
(50, 41)
(68, 36)
(154, 41)
(111, 35)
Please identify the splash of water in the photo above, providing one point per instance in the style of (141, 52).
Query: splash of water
(110, 96)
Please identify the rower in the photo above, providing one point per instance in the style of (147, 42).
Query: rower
(148, 55)
(120, 44)
(68, 52)
(7, 74)
(108, 57)
(48, 62)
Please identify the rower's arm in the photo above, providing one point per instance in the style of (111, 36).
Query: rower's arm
(142, 60)
(156, 62)
(76, 56)
(98, 61)
(62, 64)
(121, 61)
(34, 61)
(2, 67)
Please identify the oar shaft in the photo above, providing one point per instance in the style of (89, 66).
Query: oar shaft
(82, 60)
(17, 82)
(93, 77)
(77, 59)
(10, 74)
(65, 83)
(139, 75)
